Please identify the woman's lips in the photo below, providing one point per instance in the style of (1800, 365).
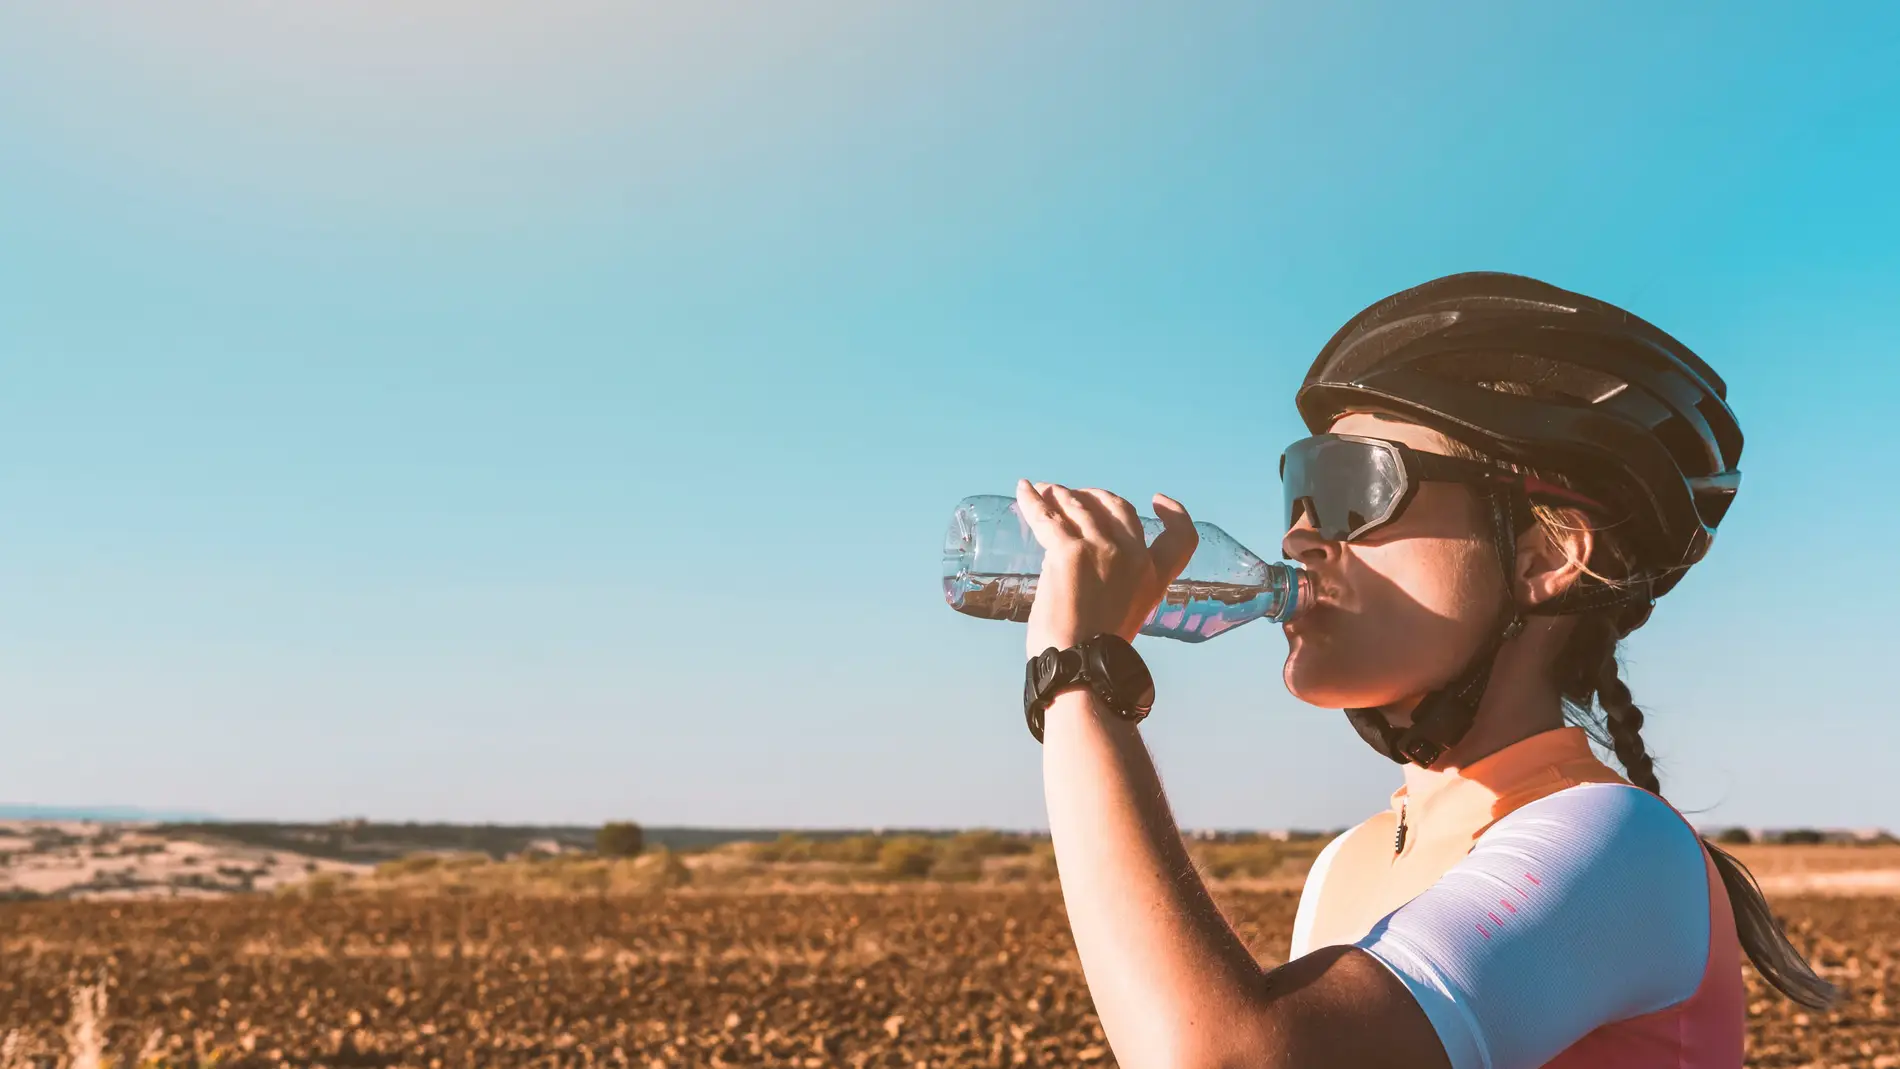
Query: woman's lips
(1325, 597)
(1325, 593)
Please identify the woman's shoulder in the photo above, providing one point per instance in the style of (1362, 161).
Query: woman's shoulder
(1607, 831)
(1599, 889)
(1604, 808)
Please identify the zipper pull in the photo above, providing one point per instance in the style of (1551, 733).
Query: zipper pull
(1398, 838)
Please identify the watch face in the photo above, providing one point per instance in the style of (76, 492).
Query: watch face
(1128, 675)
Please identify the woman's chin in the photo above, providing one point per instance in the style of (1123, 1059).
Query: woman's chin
(1315, 681)
(1313, 687)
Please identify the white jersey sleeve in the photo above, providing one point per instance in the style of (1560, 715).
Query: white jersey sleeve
(1585, 907)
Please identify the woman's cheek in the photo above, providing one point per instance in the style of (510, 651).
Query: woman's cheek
(1429, 576)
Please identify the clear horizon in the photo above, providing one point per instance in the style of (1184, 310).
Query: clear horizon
(551, 416)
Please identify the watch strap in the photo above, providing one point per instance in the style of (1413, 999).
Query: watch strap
(1054, 671)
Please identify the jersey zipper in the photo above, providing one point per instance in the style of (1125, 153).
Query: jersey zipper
(1398, 837)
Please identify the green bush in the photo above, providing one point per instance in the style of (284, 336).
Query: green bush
(789, 846)
(793, 847)
(906, 857)
(985, 842)
(853, 850)
(621, 838)
(1037, 863)
(1799, 837)
(409, 866)
(957, 862)
(1734, 836)
(1246, 859)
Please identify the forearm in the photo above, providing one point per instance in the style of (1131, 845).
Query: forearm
(1172, 983)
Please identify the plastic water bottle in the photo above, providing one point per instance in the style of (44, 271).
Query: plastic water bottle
(991, 560)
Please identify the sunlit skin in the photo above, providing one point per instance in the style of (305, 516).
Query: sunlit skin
(1398, 615)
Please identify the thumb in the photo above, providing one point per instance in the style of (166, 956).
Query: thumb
(1174, 546)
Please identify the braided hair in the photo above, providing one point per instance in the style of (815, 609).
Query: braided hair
(1588, 674)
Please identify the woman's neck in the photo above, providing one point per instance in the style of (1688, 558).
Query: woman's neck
(1521, 700)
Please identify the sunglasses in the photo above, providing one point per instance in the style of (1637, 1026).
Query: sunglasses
(1352, 486)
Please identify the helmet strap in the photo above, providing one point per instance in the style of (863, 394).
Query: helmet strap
(1636, 598)
(1445, 715)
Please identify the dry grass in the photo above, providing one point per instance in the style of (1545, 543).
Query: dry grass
(85, 1031)
(985, 858)
(84, 1037)
(795, 862)
(657, 870)
(1778, 860)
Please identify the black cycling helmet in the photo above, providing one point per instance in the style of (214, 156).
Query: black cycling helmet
(1627, 413)
(1533, 375)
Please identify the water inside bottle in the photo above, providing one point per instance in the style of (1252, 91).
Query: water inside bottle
(1190, 611)
(991, 596)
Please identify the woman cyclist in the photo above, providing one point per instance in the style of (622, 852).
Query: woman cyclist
(1502, 477)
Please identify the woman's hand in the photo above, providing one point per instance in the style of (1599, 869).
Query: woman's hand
(1099, 575)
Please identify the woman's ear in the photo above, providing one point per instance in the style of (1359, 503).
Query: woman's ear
(1553, 555)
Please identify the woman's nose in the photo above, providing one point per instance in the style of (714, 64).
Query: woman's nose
(1304, 544)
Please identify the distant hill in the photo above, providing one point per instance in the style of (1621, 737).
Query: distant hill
(105, 814)
(368, 842)
(372, 841)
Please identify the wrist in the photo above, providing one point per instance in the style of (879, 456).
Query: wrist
(1081, 704)
(1103, 666)
(1056, 637)
(1063, 636)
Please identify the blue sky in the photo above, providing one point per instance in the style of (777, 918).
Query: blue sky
(483, 413)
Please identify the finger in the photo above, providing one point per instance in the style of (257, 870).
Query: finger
(1094, 526)
(1045, 520)
(1074, 507)
(1117, 511)
(1038, 508)
(1175, 545)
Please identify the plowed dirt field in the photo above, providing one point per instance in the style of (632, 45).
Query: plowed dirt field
(968, 976)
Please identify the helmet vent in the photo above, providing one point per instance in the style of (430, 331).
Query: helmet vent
(1526, 375)
(1371, 347)
(1686, 446)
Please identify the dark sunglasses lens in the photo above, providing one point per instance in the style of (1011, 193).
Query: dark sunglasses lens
(1349, 485)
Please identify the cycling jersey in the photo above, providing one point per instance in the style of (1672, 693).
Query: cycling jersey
(1543, 912)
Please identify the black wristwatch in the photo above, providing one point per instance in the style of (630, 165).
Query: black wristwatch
(1106, 664)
